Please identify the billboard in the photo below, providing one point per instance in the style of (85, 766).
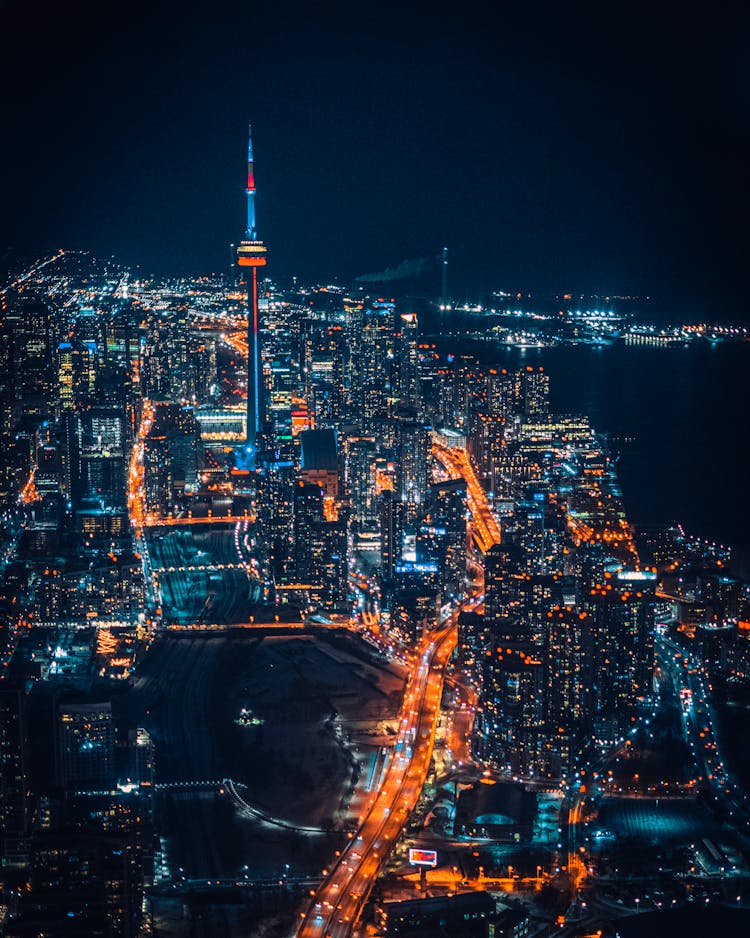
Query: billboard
(422, 857)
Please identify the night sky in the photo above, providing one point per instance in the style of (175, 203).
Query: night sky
(584, 148)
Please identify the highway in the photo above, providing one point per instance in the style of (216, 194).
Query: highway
(691, 680)
(237, 341)
(460, 723)
(337, 904)
(458, 466)
(136, 471)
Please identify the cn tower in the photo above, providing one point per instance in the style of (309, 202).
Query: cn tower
(251, 253)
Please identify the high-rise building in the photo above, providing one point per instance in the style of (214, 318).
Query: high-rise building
(14, 781)
(513, 696)
(276, 499)
(308, 512)
(30, 322)
(412, 467)
(85, 743)
(621, 647)
(100, 456)
(408, 361)
(319, 463)
(535, 392)
(390, 527)
(375, 375)
(359, 468)
(444, 531)
(567, 692)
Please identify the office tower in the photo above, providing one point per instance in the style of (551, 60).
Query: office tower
(354, 362)
(486, 444)
(503, 577)
(77, 368)
(445, 528)
(276, 496)
(359, 472)
(156, 359)
(513, 696)
(412, 467)
(407, 388)
(530, 532)
(329, 563)
(142, 761)
(308, 511)
(251, 255)
(535, 392)
(390, 533)
(319, 464)
(32, 334)
(14, 781)
(413, 609)
(88, 869)
(85, 744)
(513, 690)
(567, 688)
(502, 393)
(621, 616)
(319, 548)
(101, 456)
(374, 393)
(323, 363)
(7, 382)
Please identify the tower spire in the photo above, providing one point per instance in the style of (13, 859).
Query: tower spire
(250, 233)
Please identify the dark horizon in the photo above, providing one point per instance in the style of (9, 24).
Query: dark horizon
(604, 154)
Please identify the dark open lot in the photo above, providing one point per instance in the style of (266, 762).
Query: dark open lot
(297, 764)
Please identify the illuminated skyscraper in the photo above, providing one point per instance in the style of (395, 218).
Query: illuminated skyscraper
(408, 360)
(376, 369)
(85, 743)
(251, 254)
(535, 392)
(412, 474)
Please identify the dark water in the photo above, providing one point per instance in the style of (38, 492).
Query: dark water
(688, 411)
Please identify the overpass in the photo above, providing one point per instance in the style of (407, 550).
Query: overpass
(456, 462)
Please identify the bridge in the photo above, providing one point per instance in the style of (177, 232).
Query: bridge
(249, 811)
(152, 520)
(188, 786)
(277, 625)
(183, 886)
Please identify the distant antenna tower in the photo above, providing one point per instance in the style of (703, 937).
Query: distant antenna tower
(444, 300)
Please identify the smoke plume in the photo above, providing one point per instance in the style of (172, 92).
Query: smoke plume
(402, 271)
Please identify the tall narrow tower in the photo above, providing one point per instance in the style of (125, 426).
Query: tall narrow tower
(444, 299)
(251, 254)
